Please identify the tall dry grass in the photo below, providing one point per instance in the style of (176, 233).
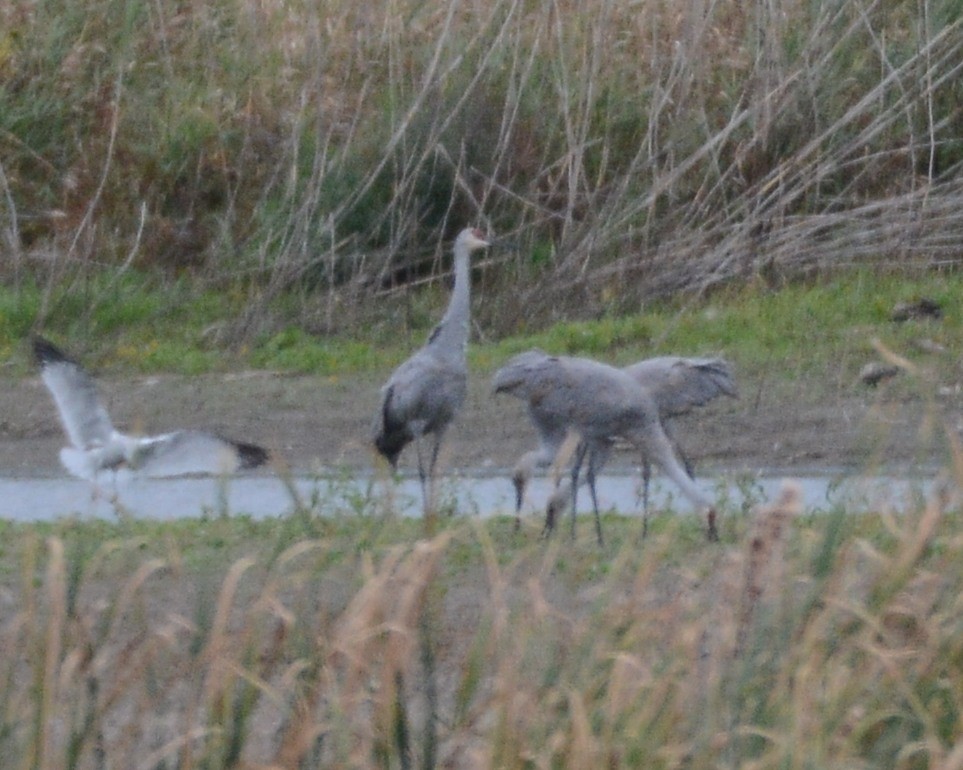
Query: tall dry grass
(826, 641)
(321, 151)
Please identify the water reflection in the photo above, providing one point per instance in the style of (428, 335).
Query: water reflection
(46, 499)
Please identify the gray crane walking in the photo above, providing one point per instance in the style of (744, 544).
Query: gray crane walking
(678, 386)
(599, 402)
(426, 392)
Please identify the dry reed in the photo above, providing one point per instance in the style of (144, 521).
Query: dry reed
(322, 152)
(831, 640)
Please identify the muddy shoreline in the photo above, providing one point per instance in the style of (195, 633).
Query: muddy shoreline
(323, 422)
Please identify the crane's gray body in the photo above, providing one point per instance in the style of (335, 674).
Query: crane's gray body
(601, 403)
(562, 392)
(424, 395)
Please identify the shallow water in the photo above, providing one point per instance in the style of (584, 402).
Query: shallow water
(47, 499)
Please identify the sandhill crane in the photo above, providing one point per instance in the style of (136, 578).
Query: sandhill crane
(97, 446)
(678, 386)
(599, 402)
(426, 392)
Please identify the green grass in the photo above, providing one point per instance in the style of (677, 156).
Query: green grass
(819, 331)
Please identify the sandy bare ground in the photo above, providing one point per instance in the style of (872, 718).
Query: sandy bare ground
(321, 422)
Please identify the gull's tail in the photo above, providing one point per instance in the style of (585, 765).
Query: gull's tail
(45, 352)
(78, 463)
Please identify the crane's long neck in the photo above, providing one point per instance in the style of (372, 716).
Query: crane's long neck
(451, 337)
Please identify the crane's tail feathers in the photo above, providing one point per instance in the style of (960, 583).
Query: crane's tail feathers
(391, 435)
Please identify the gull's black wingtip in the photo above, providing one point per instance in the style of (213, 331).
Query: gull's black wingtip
(45, 352)
(251, 455)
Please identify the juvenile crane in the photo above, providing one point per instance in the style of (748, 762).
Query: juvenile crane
(599, 402)
(96, 446)
(425, 393)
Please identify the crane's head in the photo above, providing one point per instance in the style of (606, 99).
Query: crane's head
(471, 238)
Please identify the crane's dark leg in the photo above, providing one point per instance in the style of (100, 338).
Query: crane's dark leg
(656, 447)
(576, 469)
(712, 533)
(597, 459)
(519, 485)
(590, 474)
(646, 478)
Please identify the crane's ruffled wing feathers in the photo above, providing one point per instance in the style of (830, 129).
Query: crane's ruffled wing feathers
(83, 416)
(602, 399)
(680, 384)
(190, 452)
(567, 392)
(718, 372)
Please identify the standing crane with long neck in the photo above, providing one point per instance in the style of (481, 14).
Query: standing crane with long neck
(425, 393)
(601, 403)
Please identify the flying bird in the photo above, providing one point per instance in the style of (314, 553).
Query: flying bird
(423, 395)
(97, 446)
(599, 402)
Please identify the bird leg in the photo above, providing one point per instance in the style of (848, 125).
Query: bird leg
(576, 469)
(597, 459)
(518, 482)
(439, 435)
(656, 446)
(590, 474)
(549, 527)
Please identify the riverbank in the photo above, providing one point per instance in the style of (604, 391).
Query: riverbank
(315, 422)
